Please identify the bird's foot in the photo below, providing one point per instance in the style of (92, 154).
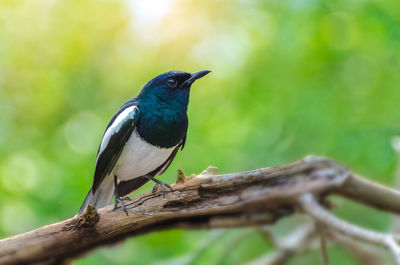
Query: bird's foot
(118, 199)
(163, 185)
(159, 183)
(121, 202)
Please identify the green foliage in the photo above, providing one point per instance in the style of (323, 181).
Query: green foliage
(290, 78)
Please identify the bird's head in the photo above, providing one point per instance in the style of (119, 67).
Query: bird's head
(171, 88)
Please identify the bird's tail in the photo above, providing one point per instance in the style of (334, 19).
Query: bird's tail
(102, 197)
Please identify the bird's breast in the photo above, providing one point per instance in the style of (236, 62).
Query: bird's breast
(165, 128)
(139, 158)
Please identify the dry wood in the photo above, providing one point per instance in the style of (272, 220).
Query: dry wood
(207, 200)
(311, 206)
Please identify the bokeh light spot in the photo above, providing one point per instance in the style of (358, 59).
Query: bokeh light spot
(81, 132)
(150, 11)
(16, 217)
(19, 172)
(360, 74)
(339, 31)
(224, 53)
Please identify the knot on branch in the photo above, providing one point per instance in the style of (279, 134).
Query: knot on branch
(88, 218)
(180, 176)
(211, 200)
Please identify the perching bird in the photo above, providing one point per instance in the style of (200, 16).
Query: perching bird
(142, 139)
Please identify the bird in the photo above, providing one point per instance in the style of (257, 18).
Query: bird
(142, 139)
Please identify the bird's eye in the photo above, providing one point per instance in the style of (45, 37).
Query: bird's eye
(172, 82)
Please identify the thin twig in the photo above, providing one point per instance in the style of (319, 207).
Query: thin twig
(367, 255)
(396, 148)
(310, 205)
(295, 243)
(372, 193)
(209, 200)
(322, 241)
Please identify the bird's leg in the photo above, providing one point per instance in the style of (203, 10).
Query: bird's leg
(159, 183)
(118, 199)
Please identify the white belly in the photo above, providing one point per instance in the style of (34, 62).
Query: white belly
(139, 158)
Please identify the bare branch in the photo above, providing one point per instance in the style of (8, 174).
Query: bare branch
(304, 239)
(396, 147)
(311, 206)
(371, 193)
(322, 240)
(208, 200)
(367, 255)
(295, 243)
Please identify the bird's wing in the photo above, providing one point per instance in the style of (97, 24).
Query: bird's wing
(183, 142)
(169, 160)
(115, 137)
(161, 169)
(127, 187)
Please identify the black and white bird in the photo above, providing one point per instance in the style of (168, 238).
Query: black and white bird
(142, 139)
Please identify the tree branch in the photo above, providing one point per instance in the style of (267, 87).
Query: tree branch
(297, 242)
(311, 206)
(396, 148)
(208, 200)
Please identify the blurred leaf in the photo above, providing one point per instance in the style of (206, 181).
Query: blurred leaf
(290, 78)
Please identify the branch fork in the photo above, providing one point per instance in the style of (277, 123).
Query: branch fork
(211, 200)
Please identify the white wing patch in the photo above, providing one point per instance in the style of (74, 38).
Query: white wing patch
(128, 113)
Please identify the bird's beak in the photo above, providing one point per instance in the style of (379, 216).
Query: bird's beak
(199, 74)
(196, 75)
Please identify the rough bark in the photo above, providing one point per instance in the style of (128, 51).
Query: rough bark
(208, 200)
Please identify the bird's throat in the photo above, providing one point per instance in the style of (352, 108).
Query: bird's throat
(163, 127)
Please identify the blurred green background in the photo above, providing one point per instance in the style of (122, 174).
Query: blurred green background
(290, 78)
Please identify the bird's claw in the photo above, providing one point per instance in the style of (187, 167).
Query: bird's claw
(121, 202)
(163, 185)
